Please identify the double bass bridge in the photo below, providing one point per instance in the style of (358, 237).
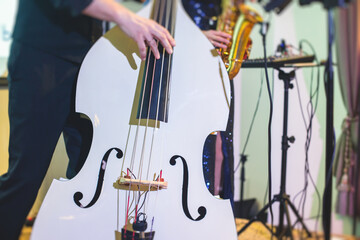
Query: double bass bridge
(131, 184)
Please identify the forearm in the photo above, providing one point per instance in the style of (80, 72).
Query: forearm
(108, 10)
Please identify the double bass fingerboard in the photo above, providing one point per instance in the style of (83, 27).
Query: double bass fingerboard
(154, 95)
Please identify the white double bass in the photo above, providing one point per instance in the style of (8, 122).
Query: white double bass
(143, 177)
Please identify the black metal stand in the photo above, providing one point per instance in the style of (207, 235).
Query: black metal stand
(282, 197)
(243, 159)
(244, 208)
(329, 144)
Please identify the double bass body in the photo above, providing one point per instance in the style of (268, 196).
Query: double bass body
(91, 205)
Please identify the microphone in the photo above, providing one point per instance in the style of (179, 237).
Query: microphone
(276, 5)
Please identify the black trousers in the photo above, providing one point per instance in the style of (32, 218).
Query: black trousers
(40, 108)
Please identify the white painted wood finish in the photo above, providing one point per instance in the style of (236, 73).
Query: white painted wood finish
(105, 93)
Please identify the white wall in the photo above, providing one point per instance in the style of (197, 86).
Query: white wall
(7, 14)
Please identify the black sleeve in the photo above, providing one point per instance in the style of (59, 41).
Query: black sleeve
(74, 7)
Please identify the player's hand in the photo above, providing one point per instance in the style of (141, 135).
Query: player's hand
(147, 32)
(217, 38)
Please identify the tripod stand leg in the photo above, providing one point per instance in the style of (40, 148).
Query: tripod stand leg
(256, 218)
(266, 226)
(299, 218)
(280, 228)
(289, 227)
(281, 231)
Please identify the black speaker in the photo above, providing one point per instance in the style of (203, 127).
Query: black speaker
(246, 209)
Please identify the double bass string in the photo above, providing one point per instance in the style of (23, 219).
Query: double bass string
(158, 18)
(162, 14)
(167, 11)
(163, 21)
(128, 193)
(172, 32)
(169, 25)
(171, 13)
(167, 17)
(127, 197)
(149, 55)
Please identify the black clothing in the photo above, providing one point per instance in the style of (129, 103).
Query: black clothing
(39, 105)
(56, 27)
(51, 38)
(204, 13)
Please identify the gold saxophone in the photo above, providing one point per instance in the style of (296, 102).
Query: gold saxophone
(237, 20)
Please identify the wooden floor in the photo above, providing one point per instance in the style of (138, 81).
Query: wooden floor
(256, 231)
